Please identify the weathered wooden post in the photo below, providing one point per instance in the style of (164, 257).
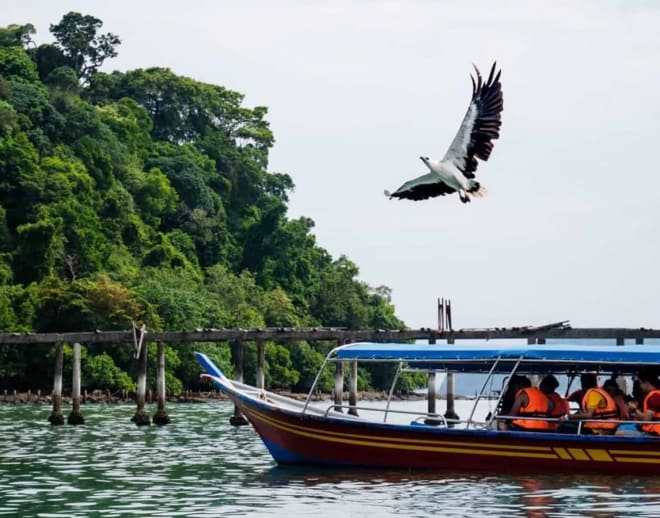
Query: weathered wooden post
(451, 388)
(441, 315)
(75, 417)
(431, 393)
(448, 314)
(237, 348)
(160, 417)
(352, 387)
(431, 397)
(261, 363)
(56, 418)
(141, 418)
(338, 393)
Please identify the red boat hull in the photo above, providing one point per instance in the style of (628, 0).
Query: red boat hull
(293, 438)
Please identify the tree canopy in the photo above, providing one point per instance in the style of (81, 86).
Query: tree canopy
(144, 196)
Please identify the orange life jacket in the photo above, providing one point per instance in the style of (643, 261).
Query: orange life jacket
(609, 411)
(559, 408)
(651, 428)
(537, 406)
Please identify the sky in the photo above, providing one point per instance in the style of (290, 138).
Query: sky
(358, 90)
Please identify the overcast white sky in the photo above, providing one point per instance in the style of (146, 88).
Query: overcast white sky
(358, 90)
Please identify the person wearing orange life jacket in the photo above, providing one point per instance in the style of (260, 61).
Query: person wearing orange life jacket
(530, 402)
(650, 386)
(587, 380)
(505, 407)
(558, 405)
(613, 390)
(596, 404)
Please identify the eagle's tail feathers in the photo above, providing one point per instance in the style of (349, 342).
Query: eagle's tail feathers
(477, 190)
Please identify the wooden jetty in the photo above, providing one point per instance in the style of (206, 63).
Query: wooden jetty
(237, 337)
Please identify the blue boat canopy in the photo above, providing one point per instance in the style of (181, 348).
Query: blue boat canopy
(534, 357)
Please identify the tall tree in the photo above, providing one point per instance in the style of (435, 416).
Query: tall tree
(76, 37)
(17, 35)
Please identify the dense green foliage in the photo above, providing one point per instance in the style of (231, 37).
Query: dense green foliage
(144, 197)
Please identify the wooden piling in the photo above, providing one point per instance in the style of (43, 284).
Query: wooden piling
(448, 315)
(352, 387)
(141, 418)
(56, 418)
(432, 387)
(450, 413)
(237, 347)
(160, 417)
(261, 364)
(75, 417)
(451, 388)
(338, 393)
(432, 383)
(431, 398)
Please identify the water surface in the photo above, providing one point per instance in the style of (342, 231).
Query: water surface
(199, 465)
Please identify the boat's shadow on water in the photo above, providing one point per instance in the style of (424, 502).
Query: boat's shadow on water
(280, 475)
(503, 495)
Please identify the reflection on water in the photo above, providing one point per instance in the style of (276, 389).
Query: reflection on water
(201, 466)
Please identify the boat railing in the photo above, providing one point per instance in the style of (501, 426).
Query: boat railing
(420, 418)
(579, 422)
(440, 421)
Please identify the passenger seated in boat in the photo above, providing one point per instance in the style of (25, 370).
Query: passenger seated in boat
(617, 394)
(558, 405)
(516, 383)
(587, 380)
(650, 387)
(637, 394)
(596, 404)
(530, 402)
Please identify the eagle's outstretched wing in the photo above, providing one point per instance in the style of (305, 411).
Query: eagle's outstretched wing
(481, 124)
(422, 187)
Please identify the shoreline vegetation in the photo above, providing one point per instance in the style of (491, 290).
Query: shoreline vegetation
(189, 396)
(145, 198)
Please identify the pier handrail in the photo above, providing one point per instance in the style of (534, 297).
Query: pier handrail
(332, 333)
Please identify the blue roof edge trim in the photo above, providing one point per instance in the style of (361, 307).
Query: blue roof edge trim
(640, 354)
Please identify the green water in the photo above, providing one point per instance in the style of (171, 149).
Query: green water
(199, 465)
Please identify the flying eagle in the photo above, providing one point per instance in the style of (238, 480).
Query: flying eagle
(455, 172)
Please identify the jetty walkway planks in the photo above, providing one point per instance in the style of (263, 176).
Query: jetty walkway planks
(533, 334)
(551, 331)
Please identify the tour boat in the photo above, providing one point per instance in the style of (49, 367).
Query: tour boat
(302, 432)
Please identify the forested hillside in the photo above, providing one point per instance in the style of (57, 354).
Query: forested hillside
(145, 197)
